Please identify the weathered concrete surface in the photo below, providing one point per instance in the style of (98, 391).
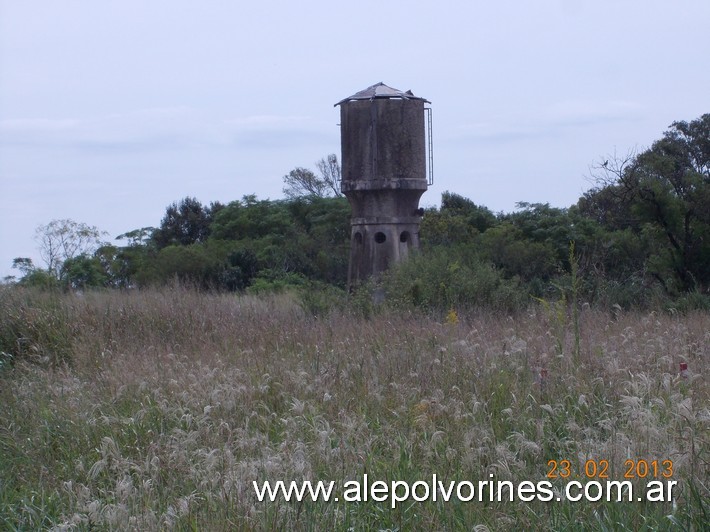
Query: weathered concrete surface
(383, 177)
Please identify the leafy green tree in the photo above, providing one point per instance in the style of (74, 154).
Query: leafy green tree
(33, 276)
(137, 237)
(24, 264)
(459, 220)
(120, 264)
(305, 236)
(477, 216)
(241, 267)
(251, 219)
(543, 224)
(185, 222)
(189, 264)
(84, 271)
(666, 192)
(516, 255)
(321, 237)
(302, 182)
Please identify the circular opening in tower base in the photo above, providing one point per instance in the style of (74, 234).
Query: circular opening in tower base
(380, 237)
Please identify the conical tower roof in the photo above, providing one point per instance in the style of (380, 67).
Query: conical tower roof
(380, 90)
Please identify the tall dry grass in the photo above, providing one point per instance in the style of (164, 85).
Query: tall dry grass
(156, 410)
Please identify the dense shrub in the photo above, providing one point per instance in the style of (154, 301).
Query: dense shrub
(446, 278)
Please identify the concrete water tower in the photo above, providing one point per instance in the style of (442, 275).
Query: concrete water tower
(386, 149)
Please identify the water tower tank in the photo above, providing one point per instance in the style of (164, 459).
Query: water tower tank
(385, 154)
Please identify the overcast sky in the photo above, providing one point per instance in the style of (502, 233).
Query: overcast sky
(111, 110)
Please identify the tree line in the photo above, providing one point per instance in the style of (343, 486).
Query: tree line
(639, 237)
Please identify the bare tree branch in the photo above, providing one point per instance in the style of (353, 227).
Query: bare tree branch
(61, 240)
(610, 169)
(329, 169)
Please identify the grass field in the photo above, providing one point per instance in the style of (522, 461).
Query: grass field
(157, 410)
